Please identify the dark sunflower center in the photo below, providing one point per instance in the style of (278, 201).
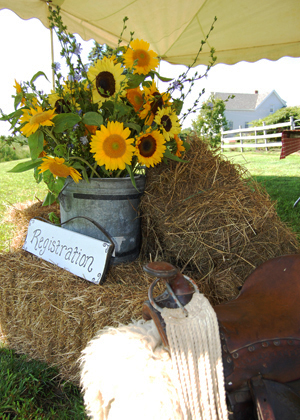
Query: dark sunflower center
(61, 106)
(166, 122)
(156, 103)
(147, 146)
(105, 84)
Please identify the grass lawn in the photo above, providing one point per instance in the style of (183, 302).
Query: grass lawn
(280, 177)
(15, 188)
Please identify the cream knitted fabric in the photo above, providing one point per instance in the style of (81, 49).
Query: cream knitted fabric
(197, 360)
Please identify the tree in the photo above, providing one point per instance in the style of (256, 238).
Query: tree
(210, 120)
(280, 116)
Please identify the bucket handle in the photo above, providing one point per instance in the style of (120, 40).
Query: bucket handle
(105, 233)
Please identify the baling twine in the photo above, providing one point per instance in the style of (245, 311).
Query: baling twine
(197, 360)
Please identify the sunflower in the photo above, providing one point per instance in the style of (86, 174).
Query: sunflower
(58, 168)
(154, 101)
(35, 118)
(135, 97)
(179, 144)
(62, 102)
(112, 147)
(168, 122)
(150, 148)
(107, 79)
(140, 57)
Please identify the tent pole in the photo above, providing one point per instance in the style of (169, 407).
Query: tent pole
(52, 57)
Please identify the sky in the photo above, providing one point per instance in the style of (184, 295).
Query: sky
(25, 49)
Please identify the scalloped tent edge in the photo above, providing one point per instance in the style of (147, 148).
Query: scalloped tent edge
(244, 31)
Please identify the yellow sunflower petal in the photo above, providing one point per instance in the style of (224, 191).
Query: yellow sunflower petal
(150, 148)
(112, 147)
(179, 144)
(58, 168)
(168, 122)
(107, 80)
(140, 58)
(34, 118)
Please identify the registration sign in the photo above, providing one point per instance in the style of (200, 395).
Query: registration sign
(79, 254)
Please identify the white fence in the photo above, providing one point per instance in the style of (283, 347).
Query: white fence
(241, 137)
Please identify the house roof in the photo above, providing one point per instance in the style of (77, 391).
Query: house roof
(245, 101)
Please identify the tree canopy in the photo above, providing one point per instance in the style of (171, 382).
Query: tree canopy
(210, 120)
(280, 116)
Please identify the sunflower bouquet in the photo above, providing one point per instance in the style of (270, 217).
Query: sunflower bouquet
(106, 119)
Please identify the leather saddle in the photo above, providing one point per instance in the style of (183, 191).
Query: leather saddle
(259, 330)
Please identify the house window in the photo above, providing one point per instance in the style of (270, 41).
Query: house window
(246, 124)
(271, 109)
(230, 125)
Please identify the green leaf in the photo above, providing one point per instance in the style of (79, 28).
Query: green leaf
(186, 145)
(178, 104)
(26, 166)
(168, 154)
(38, 74)
(65, 121)
(60, 150)
(128, 167)
(36, 143)
(49, 199)
(54, 218)
(15, 114)
(18, 99)
(134, 80)
(163, 79)
(92, 118)
(84, 175)
(134, 126)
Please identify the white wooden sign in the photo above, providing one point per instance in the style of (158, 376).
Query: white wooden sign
(79, 254)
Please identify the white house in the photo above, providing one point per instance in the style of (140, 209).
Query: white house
(246, 107)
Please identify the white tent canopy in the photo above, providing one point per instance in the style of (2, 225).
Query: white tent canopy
(245, 30)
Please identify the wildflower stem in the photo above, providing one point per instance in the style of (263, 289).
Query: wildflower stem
(84, 161)
(49, 133)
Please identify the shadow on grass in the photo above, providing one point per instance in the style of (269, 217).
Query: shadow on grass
(285, 191)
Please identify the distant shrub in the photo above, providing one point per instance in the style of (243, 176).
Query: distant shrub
(13, 148)
(280, 116)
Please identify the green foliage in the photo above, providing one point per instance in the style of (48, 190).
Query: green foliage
(31, 390)
(15, 188)
(280, 116)
(210, 120)
(13, 148)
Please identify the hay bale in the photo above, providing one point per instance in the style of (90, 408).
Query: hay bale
(50, 314)
(204, 217)
(201, 216)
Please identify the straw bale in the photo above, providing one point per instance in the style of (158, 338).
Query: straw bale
(50, 314)
(202, 216)
(209, 218)
(20, 214)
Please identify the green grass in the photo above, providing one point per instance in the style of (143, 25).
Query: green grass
(280, 177)
(31, 390)
(15, 188)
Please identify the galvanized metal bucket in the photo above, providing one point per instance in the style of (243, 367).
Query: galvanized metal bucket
(113, 203)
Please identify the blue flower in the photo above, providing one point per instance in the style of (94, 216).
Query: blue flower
(56, 67)
(78, 49)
